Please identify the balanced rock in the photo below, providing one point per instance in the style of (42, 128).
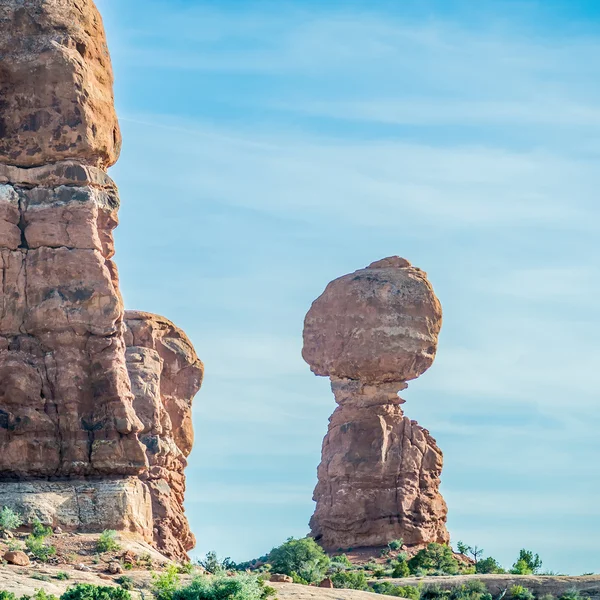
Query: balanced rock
(372, 331)
(95, 412)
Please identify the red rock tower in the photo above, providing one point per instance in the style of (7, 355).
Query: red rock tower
(77, 447)
(370, 332)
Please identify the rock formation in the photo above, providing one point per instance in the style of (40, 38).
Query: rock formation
(372, 331)
(83, 447)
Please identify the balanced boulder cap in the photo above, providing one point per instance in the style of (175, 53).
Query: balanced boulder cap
(372, 331)
(95, 403)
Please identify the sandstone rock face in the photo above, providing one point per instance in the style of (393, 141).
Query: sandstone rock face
(370, 332)
(56, 97)
(66, 406)
(83, 505)
(165, 375)
(95, 413)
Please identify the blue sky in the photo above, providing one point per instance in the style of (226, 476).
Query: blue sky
(271, 147)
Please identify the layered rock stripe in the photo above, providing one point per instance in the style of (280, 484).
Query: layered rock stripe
(84, 392)
(372, 331)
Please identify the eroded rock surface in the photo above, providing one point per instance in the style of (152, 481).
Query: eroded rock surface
(95, 414)
(56, 94)
(66, 407)
(372, 331)
(165, 375)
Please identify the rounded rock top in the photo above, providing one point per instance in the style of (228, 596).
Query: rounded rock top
(378, 324)
(56, 85)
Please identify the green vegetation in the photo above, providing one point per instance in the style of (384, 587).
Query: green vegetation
(528, 563)
(36, 542)
(518, 592)
(9, 519)
(219, 587)
(400, 567)
(213, 565)
(489, 565)
(303, 559)
(436, 558)
(125, 582)
(107, 542)
(389, 589)
(62, 576)
(87, 591)
(350, 580)
(81, 591)
(396, 544)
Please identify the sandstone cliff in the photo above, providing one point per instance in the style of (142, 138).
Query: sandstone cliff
(95, 410)
(372, 331)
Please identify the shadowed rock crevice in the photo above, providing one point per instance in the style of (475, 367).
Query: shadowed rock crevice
(370, 332)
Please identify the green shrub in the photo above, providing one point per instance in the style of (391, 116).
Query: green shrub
(185, 568)
(125, 582)
(396, 544)
(434, 592)
(62, 576)
(38, 547)
(350, 580)
(41, 595)
(165, 584)
(384, 552)
(87, 591)
(343, 560)
(39, 530)
(527, 563)
(488, 565)
(518, 592)
(472, 590)
(436, 557)
(301, 557)
(7, 596)
(400, 569)
(221, 587)
(9, 519)
(389, 589)
(572, 594)
(213, 565)
(107, 542)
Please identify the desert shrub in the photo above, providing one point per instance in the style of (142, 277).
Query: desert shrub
(436, 557)
(39, 530)
(434, 592)
(165, 584)
(87, 591)
(389, 589)
(221, 587)
(213, 565)
(107, 542)
(342, 559)
(41, 595)
(472, 590)
(384, 552)
(7, 595)
(396, 544)
(527, 563)
(62, 576)
(468, 569)
(38, 547)
(303, 558)
(400, 568)
(572, 594)
(9, 519)
(518, 592)
(125, 582)
(488, 565)
(185, 568)
(350, 580)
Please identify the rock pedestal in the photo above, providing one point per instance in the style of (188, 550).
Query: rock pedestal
(371, 332)
(95, 409)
